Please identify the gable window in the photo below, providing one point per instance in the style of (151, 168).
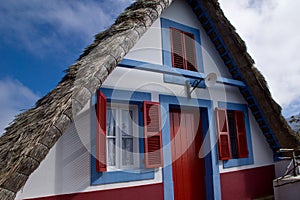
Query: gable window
(232, 137)
(118, 137)
(183, 50)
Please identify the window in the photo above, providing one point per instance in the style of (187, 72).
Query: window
(121, 137)
(183, 50)
(232, 138)
(152, 135)
(118, 137)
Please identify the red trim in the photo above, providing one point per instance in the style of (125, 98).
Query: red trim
(101, 132)
(175, 62)
(152, 134)
(223, 134)
(145, 192)
(188, 169)
(194, 64)
(248, 184)
(241, 136)
(184, 64)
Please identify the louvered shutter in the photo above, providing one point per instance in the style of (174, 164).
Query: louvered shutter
(190, 52)
(101, 133)
(241, 134)
(152, 134)
(177, 48)
(223, 134)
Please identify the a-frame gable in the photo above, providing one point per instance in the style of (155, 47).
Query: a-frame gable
(23, 147)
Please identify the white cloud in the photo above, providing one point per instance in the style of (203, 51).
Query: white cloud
(14, 98)
(271, 31)
(48, 27)
(55, 26)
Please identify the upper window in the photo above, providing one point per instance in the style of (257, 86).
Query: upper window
(181, 47)
(232, 137)
(183, 50)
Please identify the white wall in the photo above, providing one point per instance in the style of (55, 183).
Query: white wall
(66, 168)
(212, 62)
(149, 47)
(153, 82)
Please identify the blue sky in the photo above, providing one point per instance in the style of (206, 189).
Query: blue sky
(40, 39)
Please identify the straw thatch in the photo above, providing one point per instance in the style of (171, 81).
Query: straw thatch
(32, 134)
(28, 140)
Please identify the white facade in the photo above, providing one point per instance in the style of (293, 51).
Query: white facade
(66, 168)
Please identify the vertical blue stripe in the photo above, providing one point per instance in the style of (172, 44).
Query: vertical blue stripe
(212, 178)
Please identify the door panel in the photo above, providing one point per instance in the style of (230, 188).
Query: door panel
(188, 168)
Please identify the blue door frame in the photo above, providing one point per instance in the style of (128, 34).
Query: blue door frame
(212, 179)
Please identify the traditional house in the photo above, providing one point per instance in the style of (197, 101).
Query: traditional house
(165, 104)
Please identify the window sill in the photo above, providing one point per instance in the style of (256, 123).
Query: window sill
(237, 162)
(180, 80)
(127, 175)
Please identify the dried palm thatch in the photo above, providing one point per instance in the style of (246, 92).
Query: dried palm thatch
(32, 134)
(253, 78)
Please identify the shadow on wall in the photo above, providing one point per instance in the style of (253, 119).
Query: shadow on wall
(72, 160)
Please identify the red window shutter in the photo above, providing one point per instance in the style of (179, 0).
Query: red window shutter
(152, 134)
(223, 134)
(190, 52)
(241, 134)
(101, 133)
(177, 48)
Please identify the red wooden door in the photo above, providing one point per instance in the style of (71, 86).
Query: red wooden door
(188, 168)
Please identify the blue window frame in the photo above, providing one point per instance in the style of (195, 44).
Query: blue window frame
(167, 25)
(235, 162)
(125, 97)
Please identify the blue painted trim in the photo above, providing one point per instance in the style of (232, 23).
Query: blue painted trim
(124, 96)
(232, 82)
(160, 69)
(98, 178)
(177, 74)
(127, 97)
(274, 138)
(212, 179)
(166, 24)
(211, 161)
(240, 161)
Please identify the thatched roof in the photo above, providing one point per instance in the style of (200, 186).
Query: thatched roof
(32, 134)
